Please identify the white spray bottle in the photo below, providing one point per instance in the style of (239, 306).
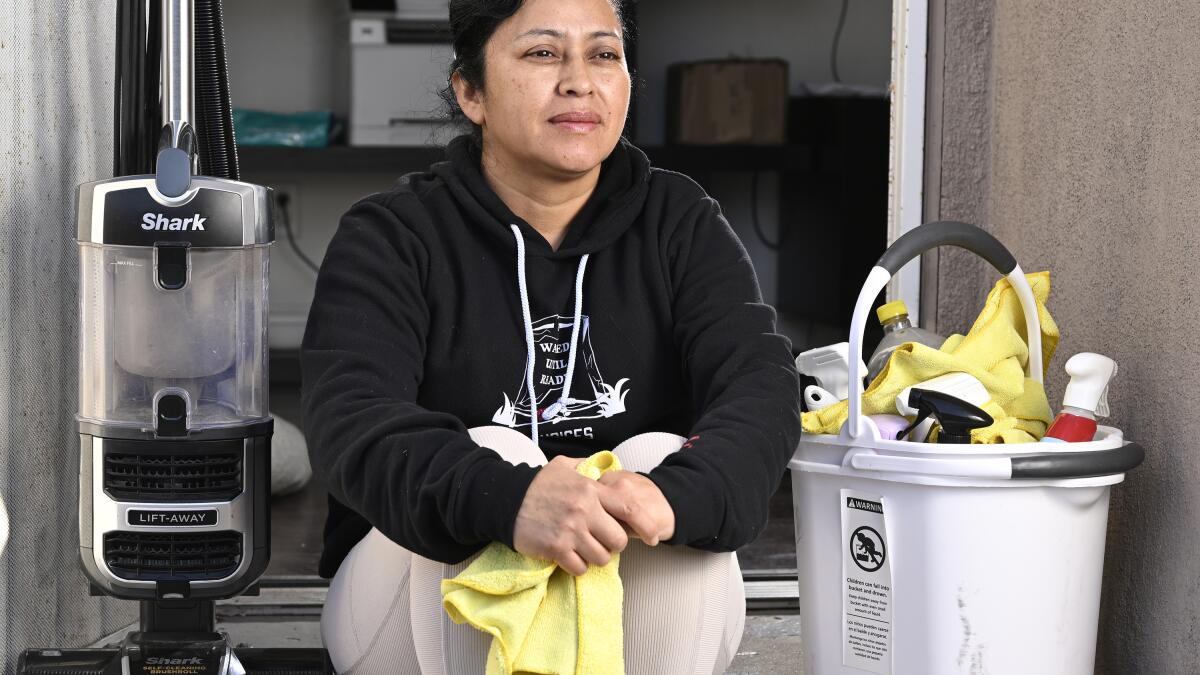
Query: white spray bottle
(830, 366)
(1085, 399)
(963, 386)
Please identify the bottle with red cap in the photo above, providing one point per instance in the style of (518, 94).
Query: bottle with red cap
(1086, 399)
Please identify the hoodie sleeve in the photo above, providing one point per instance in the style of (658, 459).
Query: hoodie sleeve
(744, 387)
(414, 474)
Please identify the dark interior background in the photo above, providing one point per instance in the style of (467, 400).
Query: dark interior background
(812, 212)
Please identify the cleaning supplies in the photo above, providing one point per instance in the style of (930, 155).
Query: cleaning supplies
(897, 329)
(959, 385)
(830, 367)
(955, 416)
(890, 426)
(962, 386)
(1085, 399)
(994, 351)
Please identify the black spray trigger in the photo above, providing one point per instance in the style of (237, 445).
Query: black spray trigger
(922, 415)
(956, 417)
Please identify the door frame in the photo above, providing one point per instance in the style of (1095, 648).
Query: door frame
(910, 40)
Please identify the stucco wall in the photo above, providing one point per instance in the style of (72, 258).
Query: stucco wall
(958, 145)
(1093, 172)
(56, 79)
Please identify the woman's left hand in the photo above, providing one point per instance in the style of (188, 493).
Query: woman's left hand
(637, 502)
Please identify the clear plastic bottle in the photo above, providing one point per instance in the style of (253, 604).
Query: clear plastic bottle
(897, 330)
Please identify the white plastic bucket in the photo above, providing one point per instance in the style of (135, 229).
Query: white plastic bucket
(923, 559)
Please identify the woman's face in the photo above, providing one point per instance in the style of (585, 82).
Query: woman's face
(556, 86)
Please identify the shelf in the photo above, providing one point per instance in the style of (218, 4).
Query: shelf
(257, 161)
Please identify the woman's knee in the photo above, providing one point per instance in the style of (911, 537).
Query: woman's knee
(512, 445)
(646, 451)
(366, 610)
(684, 608)
(443, 647)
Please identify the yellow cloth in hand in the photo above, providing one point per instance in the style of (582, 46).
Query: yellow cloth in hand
(542, 619)
(994, 351)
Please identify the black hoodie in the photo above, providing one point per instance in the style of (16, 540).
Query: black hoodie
(417, 333)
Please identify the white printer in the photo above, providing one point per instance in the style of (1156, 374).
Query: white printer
(400, 54)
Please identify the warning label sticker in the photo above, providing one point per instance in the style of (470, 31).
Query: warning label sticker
(867, 597)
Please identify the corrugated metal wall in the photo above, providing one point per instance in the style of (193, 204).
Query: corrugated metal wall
(56, 98)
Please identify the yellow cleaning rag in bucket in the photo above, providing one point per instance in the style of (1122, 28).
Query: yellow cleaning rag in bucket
(994, 351)
(542, 619)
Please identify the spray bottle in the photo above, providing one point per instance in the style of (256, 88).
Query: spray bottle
(962, 386)
(956, 417)
(830, 366)
(1085, 399)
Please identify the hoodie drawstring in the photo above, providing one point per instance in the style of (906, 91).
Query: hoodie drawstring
(566, 399)
(530, 353)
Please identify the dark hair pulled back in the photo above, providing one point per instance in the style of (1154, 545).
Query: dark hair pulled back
(472, 24)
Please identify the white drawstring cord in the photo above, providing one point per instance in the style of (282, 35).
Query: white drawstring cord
(565, 399)
(529, 358)
(530, 353)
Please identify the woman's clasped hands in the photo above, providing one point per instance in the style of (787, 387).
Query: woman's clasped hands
(576, 521)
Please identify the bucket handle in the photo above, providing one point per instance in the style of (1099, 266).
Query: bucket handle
(917, 241)
(1043, 466)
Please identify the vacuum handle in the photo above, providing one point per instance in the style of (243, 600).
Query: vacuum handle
(1041, 466)
(178, 70)
(919, 240)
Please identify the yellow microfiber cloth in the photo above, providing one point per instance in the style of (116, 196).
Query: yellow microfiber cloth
(994, 351)
(543, 619)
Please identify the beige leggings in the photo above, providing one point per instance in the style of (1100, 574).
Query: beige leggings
(684, 609)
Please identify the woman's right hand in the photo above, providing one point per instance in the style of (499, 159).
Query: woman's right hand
(562, 519)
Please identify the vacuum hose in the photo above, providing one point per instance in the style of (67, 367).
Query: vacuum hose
(214, 112)
(138, 112)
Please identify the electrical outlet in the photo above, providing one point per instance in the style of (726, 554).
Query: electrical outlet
(287, 204)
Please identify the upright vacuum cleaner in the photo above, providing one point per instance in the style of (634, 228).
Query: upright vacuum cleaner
(174, 429)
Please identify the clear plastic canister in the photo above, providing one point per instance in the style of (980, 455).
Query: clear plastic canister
(205, 341)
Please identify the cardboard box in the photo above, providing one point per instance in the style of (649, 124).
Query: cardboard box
(729, 101)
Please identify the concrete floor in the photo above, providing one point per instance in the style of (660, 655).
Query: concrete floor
(770, 646)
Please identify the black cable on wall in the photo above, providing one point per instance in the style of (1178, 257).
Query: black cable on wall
(837, 40)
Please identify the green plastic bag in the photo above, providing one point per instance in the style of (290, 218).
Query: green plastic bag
(309, 129)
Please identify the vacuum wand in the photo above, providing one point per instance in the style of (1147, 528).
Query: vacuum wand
(178, 72)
